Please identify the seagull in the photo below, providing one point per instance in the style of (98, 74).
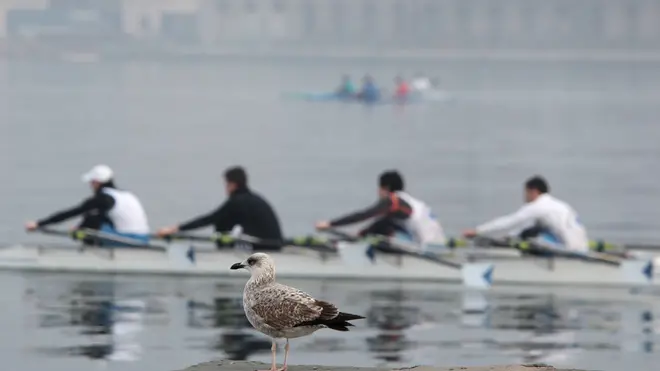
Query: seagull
(281, 311)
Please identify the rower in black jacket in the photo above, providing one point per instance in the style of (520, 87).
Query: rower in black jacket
(243, 207)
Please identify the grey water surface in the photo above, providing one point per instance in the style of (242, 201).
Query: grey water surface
(169, 129)
(78, 322)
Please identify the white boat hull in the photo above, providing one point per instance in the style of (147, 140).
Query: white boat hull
(297, 263)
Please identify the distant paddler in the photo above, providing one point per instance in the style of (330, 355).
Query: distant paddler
(420, 83)
(243, 207)
(544, 218)
(397, 215)
(402, 90)
(346, 89)
(369, 92)
(110, 210)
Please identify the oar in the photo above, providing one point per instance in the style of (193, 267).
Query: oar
(392, 246)
(478, 275)
(176, 253)
(633, 271)
(594, 245)
(237, 235)
(603, 246)
(532, 246)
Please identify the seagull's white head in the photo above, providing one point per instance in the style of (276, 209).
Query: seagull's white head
(259, 265)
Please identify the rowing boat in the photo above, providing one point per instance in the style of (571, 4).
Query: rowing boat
(509, 266)
(429, 96)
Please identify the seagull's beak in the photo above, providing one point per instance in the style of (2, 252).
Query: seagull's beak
(237, 266)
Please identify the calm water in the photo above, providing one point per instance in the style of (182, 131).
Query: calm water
(170, 129)
(83, 322)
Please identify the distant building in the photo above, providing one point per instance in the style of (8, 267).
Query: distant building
(360, 26)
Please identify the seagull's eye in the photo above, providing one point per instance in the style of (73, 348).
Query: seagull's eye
(251, 261)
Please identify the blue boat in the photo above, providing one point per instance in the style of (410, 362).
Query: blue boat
(384, 98)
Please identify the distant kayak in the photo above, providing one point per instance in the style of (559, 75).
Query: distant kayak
(414, 97)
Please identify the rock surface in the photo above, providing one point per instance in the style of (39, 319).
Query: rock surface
(251, 366)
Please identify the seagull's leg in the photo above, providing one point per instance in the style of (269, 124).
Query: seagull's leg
(286, 355)
(273, 348)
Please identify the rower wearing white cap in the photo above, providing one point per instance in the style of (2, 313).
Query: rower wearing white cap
(547, 220)
(110, 210)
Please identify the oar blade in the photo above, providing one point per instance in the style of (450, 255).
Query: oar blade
(478, 275)
(354, 253)
(181, 255)
(638, 272)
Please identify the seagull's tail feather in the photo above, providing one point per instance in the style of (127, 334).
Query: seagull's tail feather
(340, 323)
(348, 317)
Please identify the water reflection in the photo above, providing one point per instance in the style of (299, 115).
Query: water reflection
(238, 342)
(128, 321)
(110, 325)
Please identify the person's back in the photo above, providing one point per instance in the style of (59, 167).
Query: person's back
(422, 222)
(256, 217)
(127, 214)
(561, 220)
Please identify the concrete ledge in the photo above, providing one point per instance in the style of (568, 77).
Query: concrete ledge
(251, 366)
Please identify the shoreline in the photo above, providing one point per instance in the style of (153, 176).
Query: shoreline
(153, 51)
(227, 365)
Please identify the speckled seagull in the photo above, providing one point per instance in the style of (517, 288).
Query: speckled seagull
(280, 311)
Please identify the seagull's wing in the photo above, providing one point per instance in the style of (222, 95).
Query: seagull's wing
(281, 307)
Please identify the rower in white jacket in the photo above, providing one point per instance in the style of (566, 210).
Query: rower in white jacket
(552, 221)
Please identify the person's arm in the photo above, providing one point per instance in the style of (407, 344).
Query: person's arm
(382, 207)
(100, 201)
(221, 217)
(525, 215)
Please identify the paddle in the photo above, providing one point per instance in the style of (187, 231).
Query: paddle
(634, 271)
(594, 245)
(602, 246)
(537, 247)
(176, 253)
(478, 275)
(237, 235)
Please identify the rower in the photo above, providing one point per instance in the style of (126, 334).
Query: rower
(110, 210)
(402, 88)
(548, 220)
(243, 207)
(369, 92)
(346, 89)
(434, 83)
(399, 215)
(420, 83)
